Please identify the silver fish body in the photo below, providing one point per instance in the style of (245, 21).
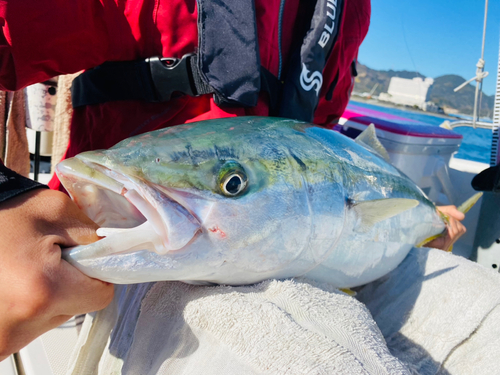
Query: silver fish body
(240, 200)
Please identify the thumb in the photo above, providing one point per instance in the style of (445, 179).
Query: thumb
(67, 221)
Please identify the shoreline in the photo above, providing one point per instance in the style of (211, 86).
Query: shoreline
(403, 108)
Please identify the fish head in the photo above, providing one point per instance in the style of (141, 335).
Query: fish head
(216, 201)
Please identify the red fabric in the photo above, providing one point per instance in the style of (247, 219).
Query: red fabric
(42, 39)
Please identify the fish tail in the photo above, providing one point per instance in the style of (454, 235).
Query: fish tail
(469, 203)
(463, 208)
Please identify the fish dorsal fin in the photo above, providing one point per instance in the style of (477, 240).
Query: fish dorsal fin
(372, 212)
(368, 138)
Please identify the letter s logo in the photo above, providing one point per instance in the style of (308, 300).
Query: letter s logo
(309, 81)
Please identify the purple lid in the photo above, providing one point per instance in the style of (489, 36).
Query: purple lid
(396, 124)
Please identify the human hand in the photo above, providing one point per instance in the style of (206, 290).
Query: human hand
(455, 229)
(39, 290)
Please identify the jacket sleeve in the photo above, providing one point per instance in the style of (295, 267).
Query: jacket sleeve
(43, 39)
(13, 184)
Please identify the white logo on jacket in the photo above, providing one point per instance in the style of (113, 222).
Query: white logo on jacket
(327, 33)
(308, 81)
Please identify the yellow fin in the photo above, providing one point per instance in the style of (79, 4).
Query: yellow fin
(446, 219)
(348, 291)
(377, 210)
(420, 244)
(368, 139)
(469, 203)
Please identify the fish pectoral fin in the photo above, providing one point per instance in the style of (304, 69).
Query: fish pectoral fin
(368, 139)
(372, 212)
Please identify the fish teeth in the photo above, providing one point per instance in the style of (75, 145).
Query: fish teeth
(132, 238)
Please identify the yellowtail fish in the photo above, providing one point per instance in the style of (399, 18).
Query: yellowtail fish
(240, 200)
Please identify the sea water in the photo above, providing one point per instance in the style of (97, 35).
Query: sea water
(475, 145)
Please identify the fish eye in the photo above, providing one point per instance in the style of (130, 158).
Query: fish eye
(233, 179)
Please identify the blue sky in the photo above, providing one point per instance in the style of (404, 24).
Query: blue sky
(435, 37)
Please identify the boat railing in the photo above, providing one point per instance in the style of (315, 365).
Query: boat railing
(469, 123)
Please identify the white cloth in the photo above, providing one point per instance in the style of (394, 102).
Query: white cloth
(438, 313)
(274, 327)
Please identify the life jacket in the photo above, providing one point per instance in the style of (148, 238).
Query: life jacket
(226, 64)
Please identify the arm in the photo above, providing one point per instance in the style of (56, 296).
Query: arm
(39, 290)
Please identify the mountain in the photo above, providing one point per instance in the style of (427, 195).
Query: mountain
(441, 92)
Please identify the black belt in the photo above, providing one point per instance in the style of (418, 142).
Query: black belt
(153, 80)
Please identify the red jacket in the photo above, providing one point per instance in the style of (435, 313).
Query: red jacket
(42, 39)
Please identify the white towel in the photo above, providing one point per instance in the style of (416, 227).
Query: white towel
(275, 327)
(437, 313)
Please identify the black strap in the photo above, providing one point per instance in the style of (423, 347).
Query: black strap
(152, 80)
(274, 87)
(304, 78)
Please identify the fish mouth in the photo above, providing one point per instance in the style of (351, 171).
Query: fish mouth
(133, 214)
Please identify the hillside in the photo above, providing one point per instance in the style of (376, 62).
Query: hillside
(441, 92)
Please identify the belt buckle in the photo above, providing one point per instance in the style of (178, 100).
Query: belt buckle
(171, 75)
